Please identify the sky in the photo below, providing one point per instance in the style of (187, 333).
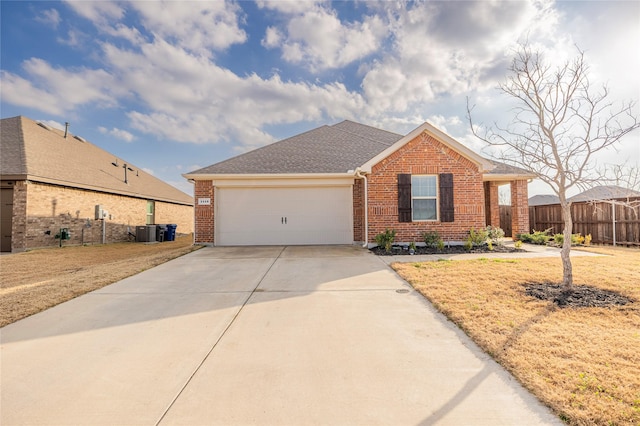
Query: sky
(175, 86)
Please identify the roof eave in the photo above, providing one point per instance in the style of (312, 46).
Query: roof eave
(106, 190)
(506, 177)
(482, 162)
(223, 176)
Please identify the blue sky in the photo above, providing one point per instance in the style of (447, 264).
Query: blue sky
(175, 86)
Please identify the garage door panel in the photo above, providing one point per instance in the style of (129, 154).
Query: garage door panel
(284, 216)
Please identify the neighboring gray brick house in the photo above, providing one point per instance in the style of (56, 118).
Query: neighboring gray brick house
(50, 181)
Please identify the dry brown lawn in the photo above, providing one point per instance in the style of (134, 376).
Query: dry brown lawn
(584, 363)
(36, 280)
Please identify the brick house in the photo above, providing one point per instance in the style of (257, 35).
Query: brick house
(348, 182)
(51, 179)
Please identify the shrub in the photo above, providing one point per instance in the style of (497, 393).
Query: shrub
(558, 239)
(576, 239)
(495, 234)
(537, 237)
(477, 238)
(385, 239)
(587, 240)
(468, 245)
(431, 238)
(440, 245)
(518, 244)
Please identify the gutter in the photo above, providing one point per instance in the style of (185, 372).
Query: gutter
(359, 174)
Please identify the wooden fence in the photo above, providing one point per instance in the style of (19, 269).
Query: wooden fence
(505, 220)
(595, 218)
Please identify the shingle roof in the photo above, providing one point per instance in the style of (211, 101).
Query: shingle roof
(327, 149)
(506, 169)
(543, 200)
(32, 152)
(605, 192)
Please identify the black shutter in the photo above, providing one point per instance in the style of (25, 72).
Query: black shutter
(446, 197)
(404, 198)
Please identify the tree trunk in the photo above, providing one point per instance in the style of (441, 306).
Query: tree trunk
(567, 269)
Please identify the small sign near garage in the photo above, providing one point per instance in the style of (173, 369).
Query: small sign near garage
(204, 201)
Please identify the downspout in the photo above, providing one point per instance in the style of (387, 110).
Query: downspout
(360, 175)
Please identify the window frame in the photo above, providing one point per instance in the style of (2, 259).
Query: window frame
(435, 197)
(151, 215)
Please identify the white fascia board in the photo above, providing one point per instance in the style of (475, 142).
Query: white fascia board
(489, 177)
(276, 180)
(482, 162)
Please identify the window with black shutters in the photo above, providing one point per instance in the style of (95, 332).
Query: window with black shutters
(425, 198)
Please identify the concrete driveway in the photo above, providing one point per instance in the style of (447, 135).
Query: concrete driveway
(266, 335)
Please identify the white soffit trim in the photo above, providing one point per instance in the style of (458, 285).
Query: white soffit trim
(488, 177)
(482, 162)
(276, 180)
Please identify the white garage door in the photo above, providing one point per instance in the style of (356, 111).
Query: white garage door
(284, 216)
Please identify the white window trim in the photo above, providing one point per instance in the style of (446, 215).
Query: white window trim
(436, 198)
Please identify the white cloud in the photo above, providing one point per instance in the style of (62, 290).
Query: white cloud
(288, 7)
(52, 123)
(50, 17)
(74, 38)
(316, 38)
(98, 12)
(272, 38)
(196, 26)
(450, 48)
(147, 170)
(117, 133)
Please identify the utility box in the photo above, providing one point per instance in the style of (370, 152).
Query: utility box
(146, 234)
(99, 212)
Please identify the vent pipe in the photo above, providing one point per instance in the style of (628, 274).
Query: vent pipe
(66, 129)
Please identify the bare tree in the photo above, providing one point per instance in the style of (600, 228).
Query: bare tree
(560, 121)
(623, 175)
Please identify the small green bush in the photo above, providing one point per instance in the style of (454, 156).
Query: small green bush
(440, 245)
(478, 237)
(385, 239)
(537, 237)
(431, 238)
(576, 239)
(468, 245)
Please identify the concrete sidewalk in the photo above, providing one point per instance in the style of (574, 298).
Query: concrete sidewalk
(261, 335)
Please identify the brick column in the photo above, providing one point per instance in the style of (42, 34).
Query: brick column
(204, 217)
(491, 204)
(519, 208)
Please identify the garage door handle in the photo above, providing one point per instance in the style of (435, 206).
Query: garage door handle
(283, 220)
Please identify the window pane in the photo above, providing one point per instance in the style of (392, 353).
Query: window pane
(424, 210)
(423, 186)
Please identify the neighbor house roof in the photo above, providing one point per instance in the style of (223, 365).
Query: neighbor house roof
(605, 192)
(338, 149)
(36, 152)
(543, 200)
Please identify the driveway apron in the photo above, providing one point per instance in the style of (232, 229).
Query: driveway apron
(258, 335)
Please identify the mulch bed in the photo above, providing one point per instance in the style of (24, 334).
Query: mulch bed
(581, 296)
(457, 249)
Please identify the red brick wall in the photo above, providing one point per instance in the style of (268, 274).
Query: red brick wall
(204, 215)
(425, 155)
(358, 210)
(519, 208)
(492, 204)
